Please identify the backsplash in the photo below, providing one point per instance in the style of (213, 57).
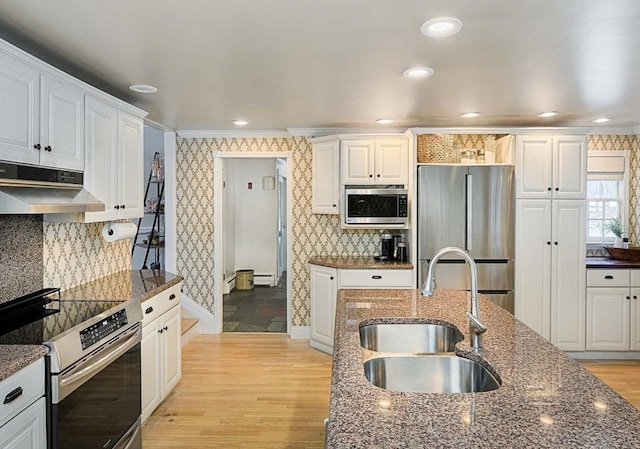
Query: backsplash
(21, 255)
(313, 234)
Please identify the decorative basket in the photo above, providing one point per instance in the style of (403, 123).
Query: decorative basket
(632, 253)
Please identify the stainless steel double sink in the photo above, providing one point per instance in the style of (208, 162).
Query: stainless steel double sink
(420, 358)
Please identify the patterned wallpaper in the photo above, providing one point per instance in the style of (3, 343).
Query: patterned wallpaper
(312, 234)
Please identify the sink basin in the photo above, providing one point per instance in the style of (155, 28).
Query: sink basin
(415, 338)
(429, 374)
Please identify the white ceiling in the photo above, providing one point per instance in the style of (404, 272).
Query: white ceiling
(338, 63)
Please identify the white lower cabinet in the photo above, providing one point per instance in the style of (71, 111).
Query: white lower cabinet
(325, 282)
(22, 412)
(161, 348)
(613, 310)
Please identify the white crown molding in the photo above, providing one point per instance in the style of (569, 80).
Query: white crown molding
(636, 130)
(501, 130)
(160, 126)
(614, 130)
(219, 134)
(321, 132)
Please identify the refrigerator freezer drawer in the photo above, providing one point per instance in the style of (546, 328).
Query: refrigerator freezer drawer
(502, 299)
(371, 278)
(491, 275)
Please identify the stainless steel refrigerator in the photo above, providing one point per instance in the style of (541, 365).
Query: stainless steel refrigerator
(471, 207)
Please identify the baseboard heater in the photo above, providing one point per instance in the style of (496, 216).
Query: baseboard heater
(264, 279)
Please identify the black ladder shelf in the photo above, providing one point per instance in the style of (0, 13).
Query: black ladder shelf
(155, 228)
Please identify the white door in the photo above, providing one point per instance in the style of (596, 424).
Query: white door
(171, 349)
(130, 166)
(61, 125)
(323, 303)
(357, 161)
(533, 265)
(101, 169)
(151, 374)
(325, 175)
(608, 319)
(570, 167)
(634, 332)
(534, 167)
(568, 274)
(391, 161)
(19, 111)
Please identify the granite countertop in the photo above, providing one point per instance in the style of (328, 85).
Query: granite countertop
(123, 285)
(546, 400)
(352, 262)
(608, 262)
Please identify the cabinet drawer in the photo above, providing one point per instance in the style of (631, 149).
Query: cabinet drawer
(21, 389)
(371, 278)
(152, 308)
(597, 277)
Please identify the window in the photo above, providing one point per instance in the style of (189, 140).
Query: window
(607, 194)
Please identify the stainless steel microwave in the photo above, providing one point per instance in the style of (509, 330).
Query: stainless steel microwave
(375, 206)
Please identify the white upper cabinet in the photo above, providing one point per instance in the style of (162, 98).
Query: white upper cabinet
(375, 161)
(41, 118)
(130, 166)
(325, 177)
(551, 167)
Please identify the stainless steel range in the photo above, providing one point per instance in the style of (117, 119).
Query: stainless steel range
(93, 383)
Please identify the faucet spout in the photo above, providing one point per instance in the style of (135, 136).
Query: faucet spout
(476, 326)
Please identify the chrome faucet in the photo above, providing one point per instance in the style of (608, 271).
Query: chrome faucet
(476, 327)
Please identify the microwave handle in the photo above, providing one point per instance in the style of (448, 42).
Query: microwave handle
(469, 213)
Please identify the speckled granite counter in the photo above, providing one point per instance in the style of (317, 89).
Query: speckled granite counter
(607, 262)
(14, 358)
(344, 262)
(546, 399)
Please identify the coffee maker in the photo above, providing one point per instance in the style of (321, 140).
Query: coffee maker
(386, 246)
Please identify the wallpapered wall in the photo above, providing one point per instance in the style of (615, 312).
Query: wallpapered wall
(312, 234)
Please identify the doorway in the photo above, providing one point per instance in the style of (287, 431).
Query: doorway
(251, 249)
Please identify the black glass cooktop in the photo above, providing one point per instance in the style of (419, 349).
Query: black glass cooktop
(41, 316)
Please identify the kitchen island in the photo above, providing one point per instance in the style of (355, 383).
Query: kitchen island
(546, 400)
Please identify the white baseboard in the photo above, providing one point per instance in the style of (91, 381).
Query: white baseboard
(264, 279)
(229, 285)
(188, 336)
(194, 310)
(300, 332)
(321, 346)
(604, 355)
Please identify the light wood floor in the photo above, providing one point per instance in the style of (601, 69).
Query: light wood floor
(245, 391)
(266, 391)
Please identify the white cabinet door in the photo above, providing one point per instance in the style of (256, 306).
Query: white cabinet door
(325, 176)
(391, 161)
(357, 161)
(533, 264)
(61, 125)
(569, 167)
(608, 319)
(171, 350)
(19, 111)
(27, 430)
(130, 166)
(323, 305)
(634, 332)
(101, 169)
(568, 274)
(151, 372)
(534, 159)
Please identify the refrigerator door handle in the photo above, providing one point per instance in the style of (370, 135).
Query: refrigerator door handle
(469, 204)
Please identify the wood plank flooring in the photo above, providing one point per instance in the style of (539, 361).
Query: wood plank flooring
(266, 391)
(245, 391)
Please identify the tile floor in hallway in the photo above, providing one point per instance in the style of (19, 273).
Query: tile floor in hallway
(261, 309)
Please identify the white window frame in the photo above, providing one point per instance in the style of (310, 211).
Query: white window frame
(624, 210)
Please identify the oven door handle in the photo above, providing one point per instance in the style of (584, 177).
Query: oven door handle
(112, 355)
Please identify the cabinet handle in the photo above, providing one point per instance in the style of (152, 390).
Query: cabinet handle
(335, 205)
(149, 310)
(172, 296)
(549, 189)
(377, 276)
(628, 297)
(166, 328)
(15, 394)
(47, 148)
(548, 243)
(557, 189)
(37, 146)
(160, 331)
(122, 206)
(555, 243)
(608, 276)
(378, 175)
(331, 278)
(635, 297)
(370, 176)
(117, 206)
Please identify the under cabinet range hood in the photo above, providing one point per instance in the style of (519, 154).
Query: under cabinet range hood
(26, 189)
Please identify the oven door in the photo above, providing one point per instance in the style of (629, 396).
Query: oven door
(376, 206)
(97, 403)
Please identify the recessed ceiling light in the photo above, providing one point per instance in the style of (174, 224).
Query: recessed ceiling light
(601, 120)
(143, 88)
(442, 27)
(470, 115)
(240, 122)
(548, 114)
(418, 72)
(384, 121)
